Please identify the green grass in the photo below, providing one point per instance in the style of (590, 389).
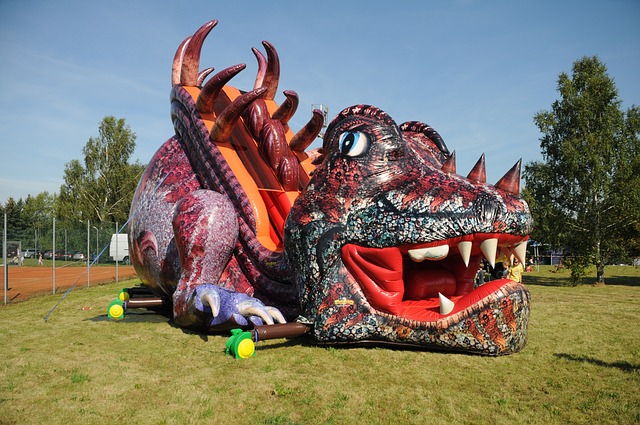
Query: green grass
(613, 275)
(581, 365)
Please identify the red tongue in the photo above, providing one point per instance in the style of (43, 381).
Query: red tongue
(425, 283)
(379, 272)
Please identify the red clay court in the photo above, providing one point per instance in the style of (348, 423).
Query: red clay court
(25, 281)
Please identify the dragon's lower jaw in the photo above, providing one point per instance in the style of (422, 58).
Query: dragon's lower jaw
(407, 281)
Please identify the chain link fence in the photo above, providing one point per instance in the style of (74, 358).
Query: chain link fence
(66, 241)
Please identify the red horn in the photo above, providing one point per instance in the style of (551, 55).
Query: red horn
(478, 173)
(510, 182)
(221, 129)
(449, 165)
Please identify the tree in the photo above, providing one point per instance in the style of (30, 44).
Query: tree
(585, 195)
(102, 188)
(16, 225)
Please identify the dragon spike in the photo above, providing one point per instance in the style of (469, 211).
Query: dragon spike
(211, 90)
(190, 58)
(478, 173)
(288, 173)
(510, 182)
(449, 165)
(288, 107)
(308, 133)
(221, 129)
(272, 76)
(177, 62)
(202, 75)
(262, 68)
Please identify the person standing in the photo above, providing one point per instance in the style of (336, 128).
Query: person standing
(515, 271)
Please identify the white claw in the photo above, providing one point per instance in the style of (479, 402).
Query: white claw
(247, 310)
(465, 251)
(213, 301)
(433, 254)
(520, 251)
(275, 313)
(446, 305)
(489, 248)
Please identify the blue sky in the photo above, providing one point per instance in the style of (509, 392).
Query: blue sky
(477, 71)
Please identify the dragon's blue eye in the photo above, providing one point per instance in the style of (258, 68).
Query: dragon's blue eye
(354, 143)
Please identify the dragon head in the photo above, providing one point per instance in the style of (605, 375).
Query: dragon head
(386, 229)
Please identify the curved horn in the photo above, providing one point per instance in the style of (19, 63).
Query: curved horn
(308, 133)
(262, 68)
(478, 172)
(449, 165)
(288, 107)
(190, 61)
(221, 129)
(510, 182)
(272, 76)
(177, 62)
(210, 91)
(202, 75)
(427, 130)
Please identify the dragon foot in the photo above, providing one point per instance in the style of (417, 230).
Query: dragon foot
(229, 306)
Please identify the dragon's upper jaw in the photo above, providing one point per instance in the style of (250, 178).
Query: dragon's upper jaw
(405, 281)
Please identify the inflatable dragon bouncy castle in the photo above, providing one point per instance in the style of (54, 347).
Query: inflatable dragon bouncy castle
(373, 237)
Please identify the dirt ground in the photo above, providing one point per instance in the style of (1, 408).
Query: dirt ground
(25, 282)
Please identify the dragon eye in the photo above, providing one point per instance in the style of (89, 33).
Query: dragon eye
(354, 143)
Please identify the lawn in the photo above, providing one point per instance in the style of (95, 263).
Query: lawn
(581, 365)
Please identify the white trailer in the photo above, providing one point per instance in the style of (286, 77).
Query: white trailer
(119, 247)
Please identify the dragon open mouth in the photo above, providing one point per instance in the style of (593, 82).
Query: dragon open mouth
(407, 281)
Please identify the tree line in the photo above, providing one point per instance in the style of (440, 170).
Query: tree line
(97, 188)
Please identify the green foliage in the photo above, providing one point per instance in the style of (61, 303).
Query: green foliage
(579, 266)
(102, 188)
(15, 219)
(585, 195)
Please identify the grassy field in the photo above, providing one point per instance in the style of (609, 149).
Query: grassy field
(581, 365)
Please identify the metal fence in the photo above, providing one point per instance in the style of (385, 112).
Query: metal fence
(58, 244)
(63, 241)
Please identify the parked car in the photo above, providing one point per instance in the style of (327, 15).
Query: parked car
(61, 255)
(30, 253)
(78, 256)
(48, 255)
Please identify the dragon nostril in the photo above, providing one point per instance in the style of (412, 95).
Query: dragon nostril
(487, 209)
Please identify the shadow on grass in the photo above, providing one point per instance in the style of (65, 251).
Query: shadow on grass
(134, 317)
(622, 365)
(558, 282)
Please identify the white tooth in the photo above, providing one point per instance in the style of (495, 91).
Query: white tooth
(520, 251)
(489, 247)
(446, 305)
(465, 251)
(433, 253)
